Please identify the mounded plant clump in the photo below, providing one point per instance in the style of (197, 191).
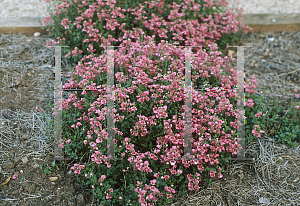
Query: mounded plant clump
(149, 109)
(149, 97)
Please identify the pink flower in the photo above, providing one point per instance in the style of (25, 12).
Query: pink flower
(103, 177)
(15, 177)
(258, 114)
(220, 175)
(296, 90)
(37, 108)
(297, 107)
(297, 95)
(138, 183)
(169, 196)
(212, 173)
(62, 145)
(108, 196)
(153, 182)
(21, 171)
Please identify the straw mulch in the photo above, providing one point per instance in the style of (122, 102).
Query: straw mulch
(26, 71)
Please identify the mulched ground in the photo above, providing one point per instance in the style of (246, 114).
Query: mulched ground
(27, 81)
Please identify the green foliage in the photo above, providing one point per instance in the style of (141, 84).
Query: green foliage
(229, 39)
(280, 120)
(49, 168)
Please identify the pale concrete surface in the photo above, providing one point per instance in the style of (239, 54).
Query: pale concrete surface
(267, 6)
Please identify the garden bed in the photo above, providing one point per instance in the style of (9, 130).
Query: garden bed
(26, 71)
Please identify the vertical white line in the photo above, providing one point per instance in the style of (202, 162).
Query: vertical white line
(188, 105)
(240, 101)
(110, 103)
(57, 101)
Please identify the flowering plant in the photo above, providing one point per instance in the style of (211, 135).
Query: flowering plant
(149, 121)
(149, 100)
(16, 176)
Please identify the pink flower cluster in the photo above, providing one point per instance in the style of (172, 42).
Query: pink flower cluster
(62, 144)
(64, 23)
(151, 195)
(257, 134)
(141, 125)
(206, 124)
(204, 111)
(77, 168)
(160, 112)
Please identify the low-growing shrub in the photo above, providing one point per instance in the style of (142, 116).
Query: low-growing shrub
(149, 100)
(149, 106)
